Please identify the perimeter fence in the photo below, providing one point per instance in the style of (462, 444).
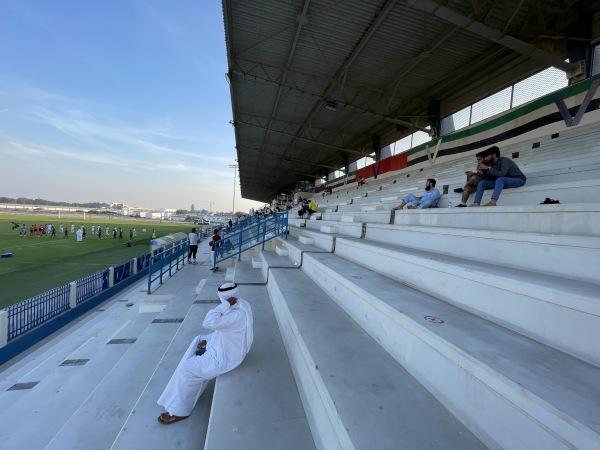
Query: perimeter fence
(28, 314)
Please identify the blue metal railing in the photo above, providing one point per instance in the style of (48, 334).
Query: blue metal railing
(29, 313)
(122, 271)
(250, 233)
(166, 260)
(91, 285)
(36, 310)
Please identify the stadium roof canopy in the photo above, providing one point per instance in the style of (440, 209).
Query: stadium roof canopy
(316, 84)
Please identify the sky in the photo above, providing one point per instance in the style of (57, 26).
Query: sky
(117, 101)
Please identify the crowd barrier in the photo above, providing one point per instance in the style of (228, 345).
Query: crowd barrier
(29, 314)
(250, 233)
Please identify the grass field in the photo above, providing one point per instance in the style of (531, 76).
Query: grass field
(42, 263)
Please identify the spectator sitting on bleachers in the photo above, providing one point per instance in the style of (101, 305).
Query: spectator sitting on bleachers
(361, 181)
(428, 200)
(499, 173)
(303, 208)
(209, 356)
(473, 179)
(312, 208)
(227, 246)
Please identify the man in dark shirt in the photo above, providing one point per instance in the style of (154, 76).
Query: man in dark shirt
(499, 173)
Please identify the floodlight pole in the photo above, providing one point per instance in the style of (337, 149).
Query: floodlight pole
(234, 167)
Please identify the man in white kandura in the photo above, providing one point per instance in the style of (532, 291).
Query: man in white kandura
(209, 356)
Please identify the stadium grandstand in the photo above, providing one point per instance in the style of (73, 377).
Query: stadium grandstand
(374, 327)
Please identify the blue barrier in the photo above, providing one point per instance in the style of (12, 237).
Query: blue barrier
(36, 310)
(91, 285)
(122, 272)
(165, 259)
(254, 231)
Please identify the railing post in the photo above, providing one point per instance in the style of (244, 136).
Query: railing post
(3, 328)
(240, 244)
(111, 277)
(162, 263)
(150, 261)
(134, 266)
(73, 294)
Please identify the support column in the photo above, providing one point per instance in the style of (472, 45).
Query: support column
(111, 277)
(73, 295)
(3, 328)
(134, 266)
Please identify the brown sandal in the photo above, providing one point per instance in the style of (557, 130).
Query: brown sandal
(167, 419)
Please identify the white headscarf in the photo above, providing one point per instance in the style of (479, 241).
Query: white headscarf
(228, 290)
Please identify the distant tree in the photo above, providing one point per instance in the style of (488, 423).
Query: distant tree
(181, 212)
(239, 214)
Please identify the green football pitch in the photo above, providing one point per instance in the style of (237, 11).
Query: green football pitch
(40, 263)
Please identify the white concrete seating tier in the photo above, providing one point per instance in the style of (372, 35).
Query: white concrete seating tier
(355, 394)
(298, 249)
(512, 297)
(534, 252)
(505, 386)
(352, 229)
(257, 406)
(324, 241)
(105, 396)
(551, 164)
(569, 219)
(102, 402)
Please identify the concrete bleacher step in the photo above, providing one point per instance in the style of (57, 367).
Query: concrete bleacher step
(281, 251)
(570, 308)
(257, 406)
(67, 386)
(573, 219)
(296, 249)
(256, 262)
(88, 402)
(141, 430)
(118, 398)
(355, 395)
(353, 229)
(246, 273)
(509, 249)
(503, 385)
(271, 259)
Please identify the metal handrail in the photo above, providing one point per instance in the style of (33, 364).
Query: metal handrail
(253, 232)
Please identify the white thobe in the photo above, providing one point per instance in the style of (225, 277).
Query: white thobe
(79, 235)
(225, 350)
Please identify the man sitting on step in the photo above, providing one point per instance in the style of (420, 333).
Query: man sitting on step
(473, 179)
(312, 208)
(428, 200)
(499, 173)
(209, 356)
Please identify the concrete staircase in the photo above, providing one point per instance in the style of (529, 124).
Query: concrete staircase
(494, 311)
(95, 384)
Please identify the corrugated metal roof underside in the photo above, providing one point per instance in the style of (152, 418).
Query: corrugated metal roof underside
(378, 62)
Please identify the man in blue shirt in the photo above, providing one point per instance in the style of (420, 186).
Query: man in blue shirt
(428, 200)
(498, 173)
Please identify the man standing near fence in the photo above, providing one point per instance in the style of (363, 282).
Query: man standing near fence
(193, 238)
